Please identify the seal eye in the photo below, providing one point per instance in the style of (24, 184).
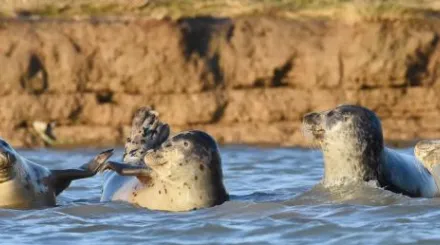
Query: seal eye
(331, 113)
(185, 143)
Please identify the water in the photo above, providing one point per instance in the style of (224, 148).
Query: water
(275, 200)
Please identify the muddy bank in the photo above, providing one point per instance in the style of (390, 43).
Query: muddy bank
(244, 80)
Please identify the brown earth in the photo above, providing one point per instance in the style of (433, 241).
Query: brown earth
(244, 80)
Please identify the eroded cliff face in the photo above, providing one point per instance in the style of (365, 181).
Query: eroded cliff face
(245, 80)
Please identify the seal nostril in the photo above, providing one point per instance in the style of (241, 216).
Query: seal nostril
(311, 118)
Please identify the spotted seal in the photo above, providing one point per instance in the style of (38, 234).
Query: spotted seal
(177, 174)
(350, 138)
(25, 184)
(428, 153)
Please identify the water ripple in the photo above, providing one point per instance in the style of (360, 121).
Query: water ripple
(275, 199)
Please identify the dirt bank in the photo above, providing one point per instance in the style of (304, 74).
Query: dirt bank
(244, 80)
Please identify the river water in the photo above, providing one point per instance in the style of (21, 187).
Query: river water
(275, 199)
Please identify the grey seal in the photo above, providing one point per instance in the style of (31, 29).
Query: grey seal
(179, 173)
(350, 138)
(25, 184)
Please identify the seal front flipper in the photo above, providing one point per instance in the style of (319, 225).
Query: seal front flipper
(61, 178)
(147, 132)
(141, 172)
(127, 169)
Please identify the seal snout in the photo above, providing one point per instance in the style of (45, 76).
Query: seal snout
(7, 159)
(312, 122)
(312, 118)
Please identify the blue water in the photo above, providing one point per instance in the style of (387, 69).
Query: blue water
(275, 200)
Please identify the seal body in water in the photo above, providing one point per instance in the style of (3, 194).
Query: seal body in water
(177, 174)
(350, 138)
(25, 184)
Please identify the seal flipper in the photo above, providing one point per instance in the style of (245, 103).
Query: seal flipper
(61, 179)
(147, 132)
(126, 169)
(142, 172)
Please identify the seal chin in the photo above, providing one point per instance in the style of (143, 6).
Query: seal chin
(153, 157)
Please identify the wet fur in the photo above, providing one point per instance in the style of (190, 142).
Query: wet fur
(351, 140)
(29, 187)
(25, 184)
(185, 175)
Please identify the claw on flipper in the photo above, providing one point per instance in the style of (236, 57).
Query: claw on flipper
(99, 162)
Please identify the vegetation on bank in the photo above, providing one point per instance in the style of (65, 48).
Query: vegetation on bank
(347, 9)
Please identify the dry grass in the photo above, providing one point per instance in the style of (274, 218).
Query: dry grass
(345, 9)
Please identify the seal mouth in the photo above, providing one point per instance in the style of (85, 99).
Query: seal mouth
(154, 157)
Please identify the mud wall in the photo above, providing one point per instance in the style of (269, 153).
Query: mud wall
(247, 80)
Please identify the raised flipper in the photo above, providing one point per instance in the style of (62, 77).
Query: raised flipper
(147, 132)
(61, 179)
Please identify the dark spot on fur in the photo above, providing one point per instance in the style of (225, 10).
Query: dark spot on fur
(186, 184)
(202, 167)
(128, 140)
(160, 192)
(133, 151)
(166, 191)
(134, 194)
(200, 197)
(180, 164)
(196, 178)
(180, 193)
(142, 141)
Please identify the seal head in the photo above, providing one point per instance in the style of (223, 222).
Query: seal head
(428, 152)
(351, 140)
(191, 162)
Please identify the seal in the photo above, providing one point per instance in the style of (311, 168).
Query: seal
(25, 184)
(428, 153)
(179, 173)
(351, 140)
